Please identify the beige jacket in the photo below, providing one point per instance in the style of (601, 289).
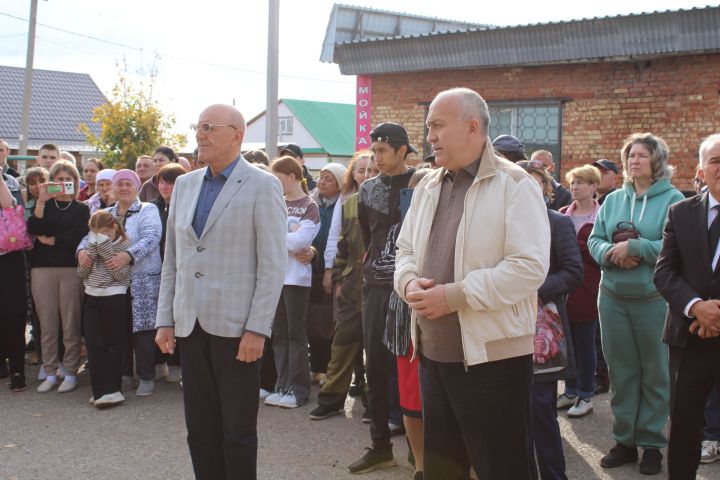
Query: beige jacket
(502, 256)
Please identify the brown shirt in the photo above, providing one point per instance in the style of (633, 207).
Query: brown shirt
(440, 339)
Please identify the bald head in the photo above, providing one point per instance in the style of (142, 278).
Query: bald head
(220, 145)
(472, 106)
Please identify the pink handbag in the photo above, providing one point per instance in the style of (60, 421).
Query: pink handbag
(13, 230)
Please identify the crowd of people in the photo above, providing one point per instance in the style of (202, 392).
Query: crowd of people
(450, 296)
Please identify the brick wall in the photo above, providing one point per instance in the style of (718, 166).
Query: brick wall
(677, 98)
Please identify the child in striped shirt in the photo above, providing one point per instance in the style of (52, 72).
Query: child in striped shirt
(105, 314)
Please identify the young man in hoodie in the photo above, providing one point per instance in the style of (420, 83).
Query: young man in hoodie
(378, 210)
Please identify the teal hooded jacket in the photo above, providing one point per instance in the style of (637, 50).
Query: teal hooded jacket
(648, 213)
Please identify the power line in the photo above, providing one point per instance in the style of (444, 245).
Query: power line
(170, 56)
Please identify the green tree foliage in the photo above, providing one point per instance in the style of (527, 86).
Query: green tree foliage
(132, 125)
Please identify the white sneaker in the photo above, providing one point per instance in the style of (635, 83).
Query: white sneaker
(174, 374)
(161, 371)
(288, 401)
(47, 385)
(92, 400)
(41, 374)
(68, 384)
(110, 399)
(264, 394)
(581, 408)
(145, 388)
(710, 451)
(273, 400)
(565, 401)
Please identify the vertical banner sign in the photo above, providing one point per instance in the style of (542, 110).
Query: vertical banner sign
(363, 108)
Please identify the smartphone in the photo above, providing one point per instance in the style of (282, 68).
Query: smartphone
(405, 197)
(61, 188)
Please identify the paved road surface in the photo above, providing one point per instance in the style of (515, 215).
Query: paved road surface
(59, 436)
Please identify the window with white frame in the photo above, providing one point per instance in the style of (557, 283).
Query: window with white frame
(285, 126)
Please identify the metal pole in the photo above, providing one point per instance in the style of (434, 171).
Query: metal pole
(27, 95)
(271, 110)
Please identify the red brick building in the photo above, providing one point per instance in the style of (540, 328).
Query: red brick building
(575, 88)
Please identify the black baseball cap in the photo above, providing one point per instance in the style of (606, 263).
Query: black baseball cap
(293, 149)
(391, 133)
(606, 164)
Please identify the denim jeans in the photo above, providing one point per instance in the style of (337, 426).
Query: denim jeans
(479, 416)
(583, 337)
(712, 416)
(546, 433)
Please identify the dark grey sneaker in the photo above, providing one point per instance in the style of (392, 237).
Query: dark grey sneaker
(619, 455)
(373, 460)
(322, 412)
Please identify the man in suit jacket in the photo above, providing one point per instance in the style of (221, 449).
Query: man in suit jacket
(224, 267)
(687, 276)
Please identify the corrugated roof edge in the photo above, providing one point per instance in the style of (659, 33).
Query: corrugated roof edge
(511, 27)
(404, 14)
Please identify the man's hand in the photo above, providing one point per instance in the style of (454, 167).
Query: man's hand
(84, 259)
(701, 331)
(430, 303)
(118, 261)
(305, 256)
(327, 280)
(338, 289)
(251, 347)
(165, 339)
(707, 316)
(50, 241)
(418, 285)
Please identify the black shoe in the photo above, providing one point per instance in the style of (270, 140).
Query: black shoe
(3, 369)
(365, 418)
(602, 387)
(373, 460)
(357, 389)
(322, 412)
(619, 455)
(17, 382)
(651, 462)
(418, 476)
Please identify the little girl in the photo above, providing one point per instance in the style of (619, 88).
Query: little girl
(289, 341)
(105, 310)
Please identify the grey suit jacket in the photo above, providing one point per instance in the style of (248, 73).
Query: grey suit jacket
(229, 280)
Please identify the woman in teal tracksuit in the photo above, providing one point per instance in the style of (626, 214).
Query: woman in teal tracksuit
(632, 312)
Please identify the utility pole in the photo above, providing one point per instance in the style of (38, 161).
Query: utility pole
(27, 95)
(271, 110)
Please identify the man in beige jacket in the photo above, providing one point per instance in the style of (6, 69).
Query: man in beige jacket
(470, 275)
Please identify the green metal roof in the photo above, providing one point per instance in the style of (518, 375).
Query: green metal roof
(331, 124)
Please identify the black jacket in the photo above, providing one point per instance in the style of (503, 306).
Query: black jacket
(562, 196)
(378, 210)
(564, 276)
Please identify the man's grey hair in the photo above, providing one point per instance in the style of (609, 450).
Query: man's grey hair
(705, 146)
(472, 104)
(3, 142)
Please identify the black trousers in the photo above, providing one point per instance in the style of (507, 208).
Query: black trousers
(379, 361)
(479, 417)
(13, 309)
(698, 371)
(546, 441)
(221, 397)
(105, 339)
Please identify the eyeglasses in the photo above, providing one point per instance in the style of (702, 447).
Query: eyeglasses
(208, 127)
(526, 164)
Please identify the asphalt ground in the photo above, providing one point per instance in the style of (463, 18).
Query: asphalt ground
(60, 436)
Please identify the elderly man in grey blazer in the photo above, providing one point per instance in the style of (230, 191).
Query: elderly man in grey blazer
(224, 267)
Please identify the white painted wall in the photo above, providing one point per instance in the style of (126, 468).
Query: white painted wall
(255, 133)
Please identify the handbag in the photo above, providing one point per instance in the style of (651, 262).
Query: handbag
(13, 230)
(550, 342)
(625, 231)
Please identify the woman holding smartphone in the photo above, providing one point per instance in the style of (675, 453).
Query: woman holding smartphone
(58, 222)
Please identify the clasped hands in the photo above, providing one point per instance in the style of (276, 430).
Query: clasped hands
(618, 254)
(118, 261)
(426, 298)
(707, 318)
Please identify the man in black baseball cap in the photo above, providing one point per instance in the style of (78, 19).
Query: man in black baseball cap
(296, 152)
(608, 182)
(392, 133)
